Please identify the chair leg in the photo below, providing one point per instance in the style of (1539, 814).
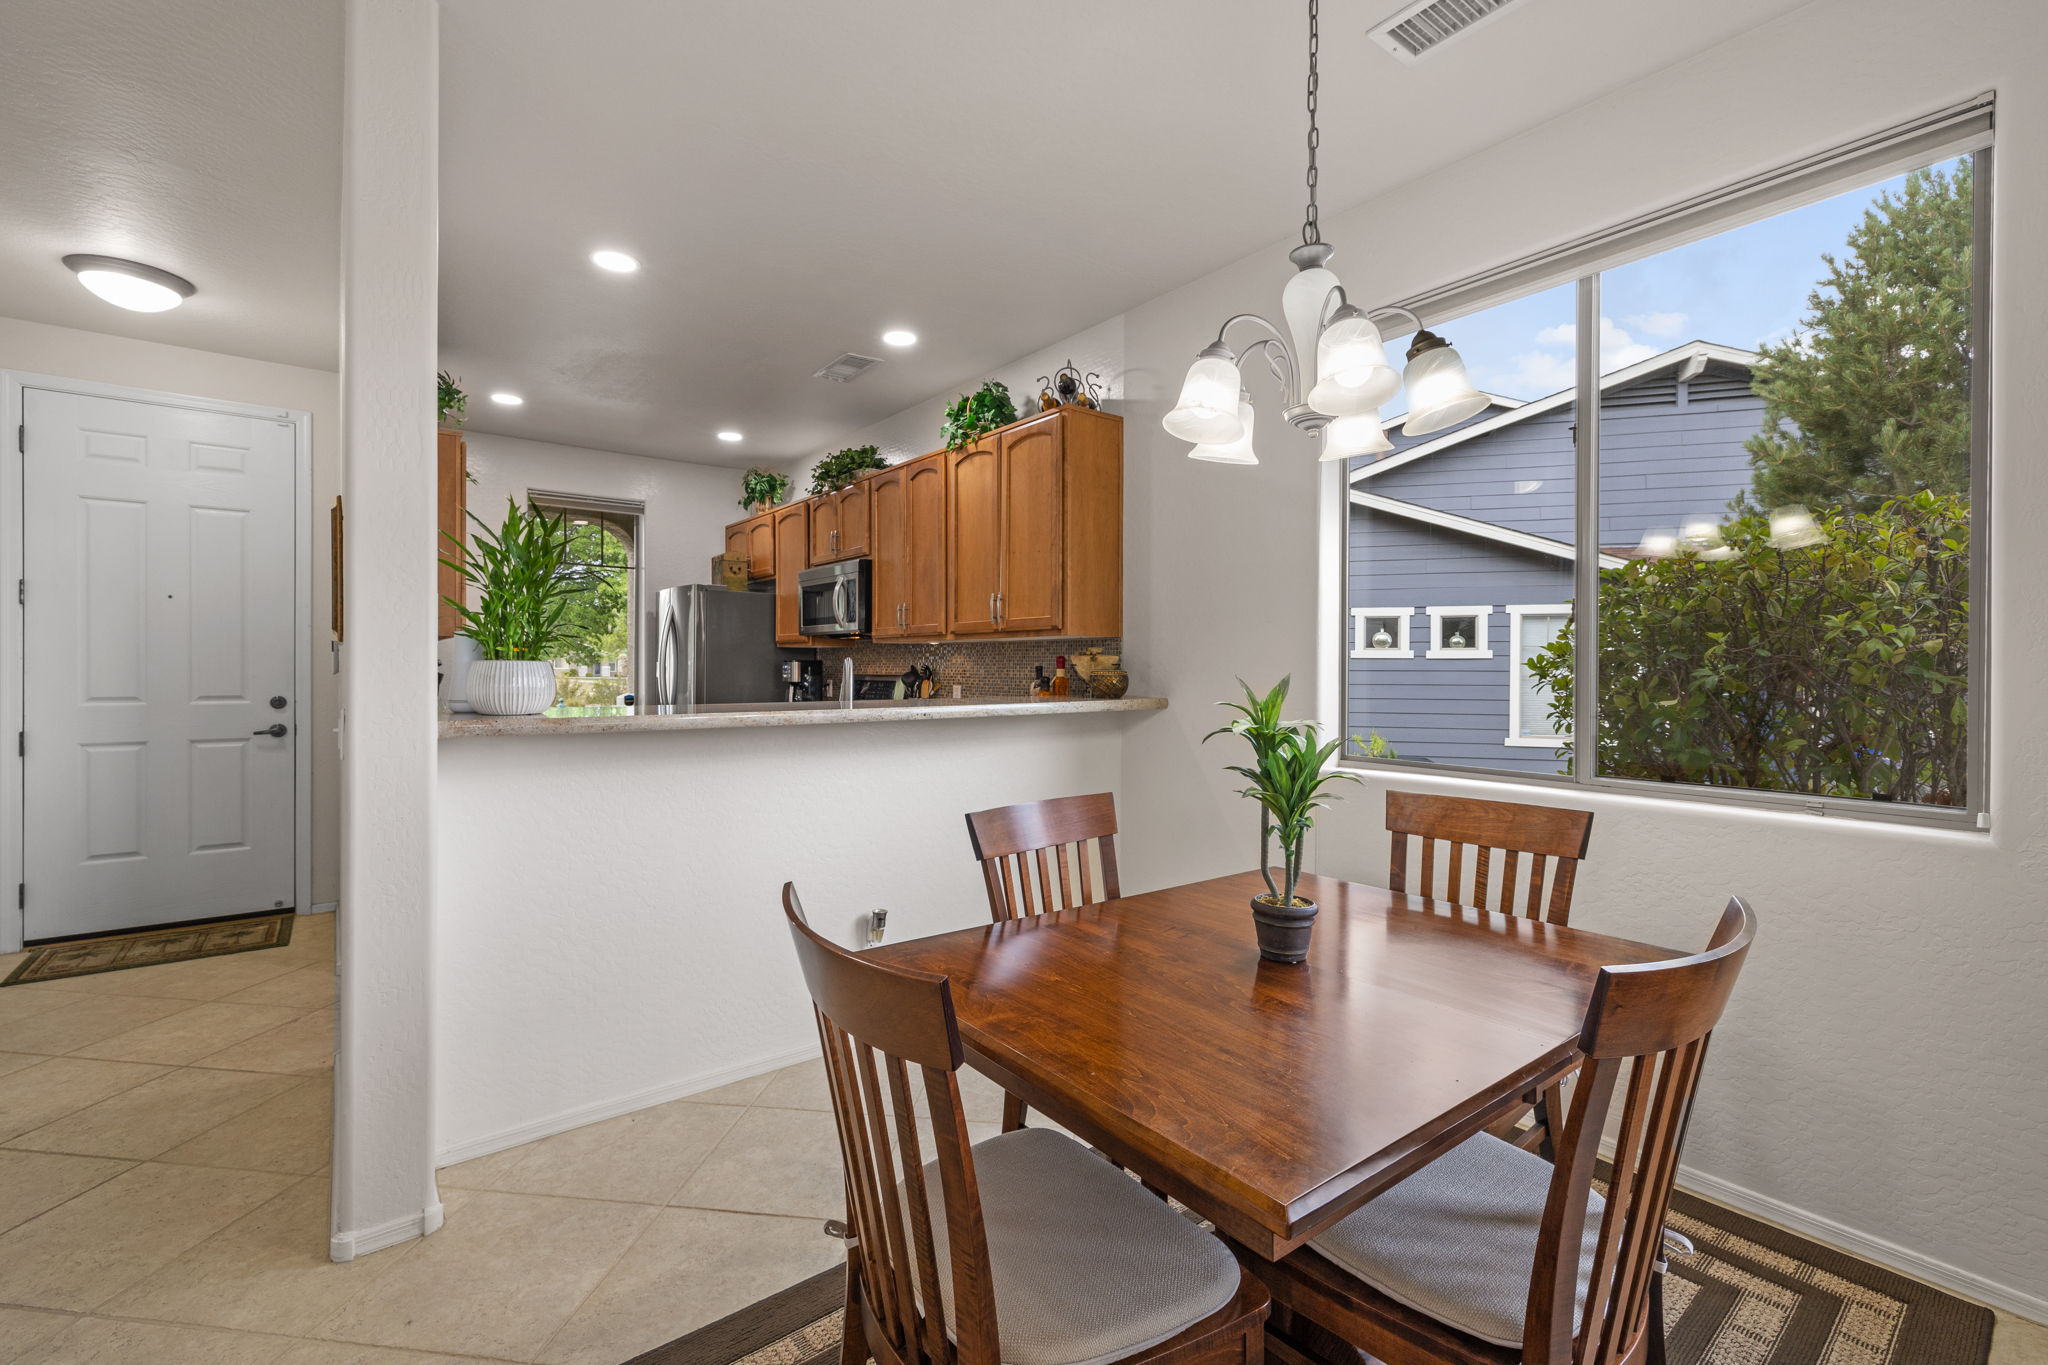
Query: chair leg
(1013, 1113)
(1655, 1327)
(853, 1340)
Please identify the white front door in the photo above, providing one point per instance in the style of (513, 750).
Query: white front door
(158, 651)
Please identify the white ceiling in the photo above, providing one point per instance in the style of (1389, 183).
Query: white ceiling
(796, 176)
(199, 136)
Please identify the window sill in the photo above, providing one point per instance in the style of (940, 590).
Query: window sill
(1460, 654)
(1537, 741)
(1382, 653)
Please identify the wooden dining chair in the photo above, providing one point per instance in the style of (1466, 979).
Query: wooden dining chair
(1012, 843)
(1023, 1249)
(1551, 838)
(1490, 1255)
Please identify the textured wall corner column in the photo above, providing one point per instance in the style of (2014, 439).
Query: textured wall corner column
(384, 1144)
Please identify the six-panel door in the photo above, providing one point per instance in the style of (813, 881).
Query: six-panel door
(160, 638)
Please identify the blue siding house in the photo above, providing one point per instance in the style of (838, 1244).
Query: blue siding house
(1461, 545)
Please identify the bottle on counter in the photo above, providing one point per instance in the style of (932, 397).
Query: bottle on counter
(1039, 687)
(1061, 685)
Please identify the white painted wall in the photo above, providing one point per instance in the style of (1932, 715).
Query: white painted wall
(609, 925)
(1881, 1067)
(68, 353)
(688, 505)
(383, 1077)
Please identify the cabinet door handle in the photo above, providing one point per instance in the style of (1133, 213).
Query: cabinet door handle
(999, 608)
(991, 608)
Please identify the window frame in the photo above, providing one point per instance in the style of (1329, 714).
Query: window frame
(1516, 613)
(1966, 129)
(1403, 646)
(550, 502)
(1483, 626)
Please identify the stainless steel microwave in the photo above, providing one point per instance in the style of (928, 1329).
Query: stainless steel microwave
(832, 599)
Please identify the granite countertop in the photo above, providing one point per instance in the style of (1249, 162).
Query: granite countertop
(621, 720)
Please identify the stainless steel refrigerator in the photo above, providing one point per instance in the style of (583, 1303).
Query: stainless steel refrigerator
(716, 645)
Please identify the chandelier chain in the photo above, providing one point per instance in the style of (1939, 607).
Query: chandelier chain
(1311, 224)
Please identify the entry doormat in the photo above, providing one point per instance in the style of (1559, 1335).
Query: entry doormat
(1750, 1295)
(151, 948)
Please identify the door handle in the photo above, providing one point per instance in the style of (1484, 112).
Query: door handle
(277, 731)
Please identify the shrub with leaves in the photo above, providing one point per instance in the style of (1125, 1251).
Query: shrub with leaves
(974, 414)
(526, 581)
(763, 487)
(451, 401)
(1837, 669)
(1289, 775)
(841, 468)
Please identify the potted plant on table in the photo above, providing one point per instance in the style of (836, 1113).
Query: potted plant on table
(525, 584)
(761, 489)
(1289, 777)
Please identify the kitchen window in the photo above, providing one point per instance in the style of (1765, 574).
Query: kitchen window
(1749, 571)
(599, 664)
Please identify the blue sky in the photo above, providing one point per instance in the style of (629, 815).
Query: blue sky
(1740, 288)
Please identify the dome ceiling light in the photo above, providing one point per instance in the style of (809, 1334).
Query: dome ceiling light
(130, 284)
(1331, 361)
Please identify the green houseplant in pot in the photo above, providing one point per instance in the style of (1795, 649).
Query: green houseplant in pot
(761, 489)
(972, 415)
(1289, 776)
(842, 467)
(524, 585)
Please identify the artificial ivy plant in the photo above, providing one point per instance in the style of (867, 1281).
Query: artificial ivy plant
(452, 401)
(841, 468)
(972, 414)
(762, 488)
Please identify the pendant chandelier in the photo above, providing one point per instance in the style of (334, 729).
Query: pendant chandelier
(1331, 361)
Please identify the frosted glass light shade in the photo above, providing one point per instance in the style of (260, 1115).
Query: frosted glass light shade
(1208, 409)
(130, 284)
(1302, 300)
(1348, 437)
(1352, 362)
(1238, 451)
(1440, 393)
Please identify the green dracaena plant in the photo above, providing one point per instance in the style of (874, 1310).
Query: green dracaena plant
(525, 583)
(1289, 778)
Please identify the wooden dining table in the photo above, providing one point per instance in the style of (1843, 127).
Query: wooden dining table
(1272, 1099)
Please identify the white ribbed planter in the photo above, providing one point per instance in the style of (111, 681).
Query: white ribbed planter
(511, 687)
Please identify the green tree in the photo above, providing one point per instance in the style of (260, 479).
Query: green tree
(1836, 669)
(1869, 400)
(597, 620)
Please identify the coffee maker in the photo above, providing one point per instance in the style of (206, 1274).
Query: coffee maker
(804, 679)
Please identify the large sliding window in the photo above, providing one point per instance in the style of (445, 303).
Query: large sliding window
(1751, 572)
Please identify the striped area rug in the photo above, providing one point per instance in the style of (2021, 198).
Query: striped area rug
(1750, 1295)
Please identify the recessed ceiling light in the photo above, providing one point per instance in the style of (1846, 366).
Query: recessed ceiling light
(510, 400)
(616, 261)
(899, 336)
(130, 284)
(729, 436)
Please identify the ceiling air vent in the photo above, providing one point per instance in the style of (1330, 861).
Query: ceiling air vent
(848, 368)
(1419, 28)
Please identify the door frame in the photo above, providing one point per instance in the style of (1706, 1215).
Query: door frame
(14, 385)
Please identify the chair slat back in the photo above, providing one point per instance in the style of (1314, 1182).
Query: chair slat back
(1551, 839)
(1035, 857)
(1645, 1039)
(887, 1033)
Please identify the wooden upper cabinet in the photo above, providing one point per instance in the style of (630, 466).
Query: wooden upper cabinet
(1033, 547)
(974, 498)
(924, 609)
(452, 488)
(889, 513)
(736, 538)
(791, 529)
(761, 546)
(851, 504)
(824, 528)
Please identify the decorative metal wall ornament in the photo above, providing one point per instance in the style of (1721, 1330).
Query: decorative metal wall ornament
(1331, 361)
(1068, 387)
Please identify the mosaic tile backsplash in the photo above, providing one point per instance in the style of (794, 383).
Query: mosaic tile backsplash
(985, 669)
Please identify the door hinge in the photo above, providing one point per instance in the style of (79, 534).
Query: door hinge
(21, 744)
(21, 592)
(21, 439)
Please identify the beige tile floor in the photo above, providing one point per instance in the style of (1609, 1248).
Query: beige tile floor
(163, 1194)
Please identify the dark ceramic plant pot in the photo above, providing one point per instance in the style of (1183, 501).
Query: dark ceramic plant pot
(1283, 930)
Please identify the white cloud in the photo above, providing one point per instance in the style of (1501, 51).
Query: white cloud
(1657, 324)
(1564, 334)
